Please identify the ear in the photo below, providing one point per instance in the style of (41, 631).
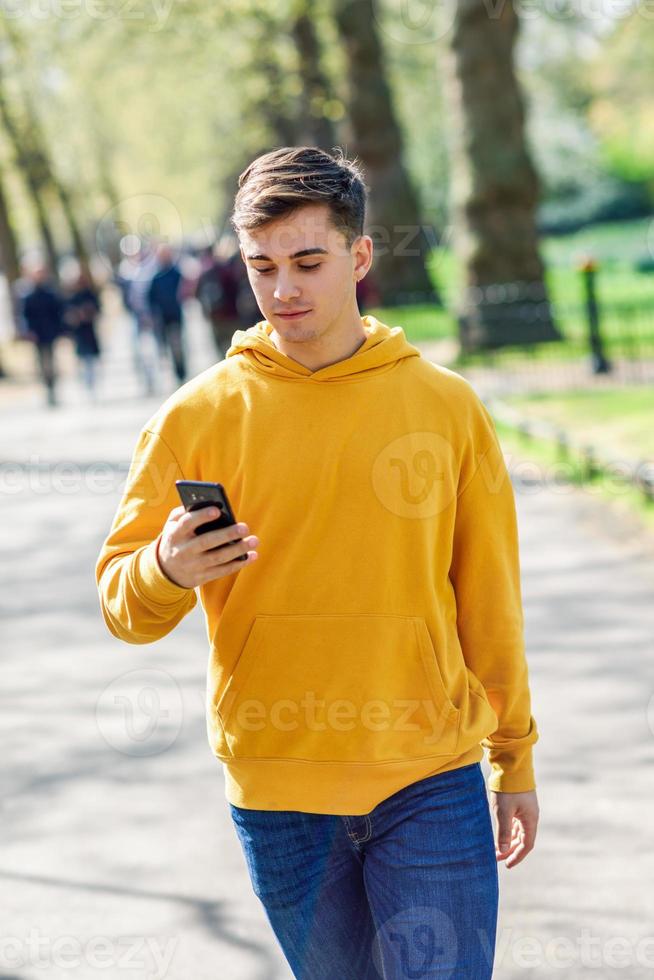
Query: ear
(362, 249)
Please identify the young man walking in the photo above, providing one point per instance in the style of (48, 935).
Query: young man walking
(371, 644)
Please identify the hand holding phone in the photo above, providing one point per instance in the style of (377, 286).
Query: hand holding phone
(201, 540)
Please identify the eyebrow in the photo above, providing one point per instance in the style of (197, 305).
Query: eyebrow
(296, 255)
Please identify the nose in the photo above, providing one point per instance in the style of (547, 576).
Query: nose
(285, 288)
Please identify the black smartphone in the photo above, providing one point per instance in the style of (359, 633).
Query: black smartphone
(196, 494)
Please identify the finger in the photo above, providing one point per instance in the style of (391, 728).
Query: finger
(503, 855)
(504, 833)
(503, 851)
(228, 552)
(176, 513)
(518, 855)
(222, 536)
(193, 519)
(228, 568)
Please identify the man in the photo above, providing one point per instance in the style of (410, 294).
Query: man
(371, 644)
(166, 309)
(41, 321)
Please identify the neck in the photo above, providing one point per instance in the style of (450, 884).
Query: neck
(335, 344)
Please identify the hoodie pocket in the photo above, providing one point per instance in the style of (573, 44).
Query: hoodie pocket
(338, 689)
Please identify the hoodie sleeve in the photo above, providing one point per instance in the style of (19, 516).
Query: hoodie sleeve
(485, 573)
(139, 602)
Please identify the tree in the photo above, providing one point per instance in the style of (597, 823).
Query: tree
(394, 209)
(8, 256)
(494, 186)
(316, 98)
(32, 153)
(35, 180)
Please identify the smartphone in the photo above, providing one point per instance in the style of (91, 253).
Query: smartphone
(196, 494)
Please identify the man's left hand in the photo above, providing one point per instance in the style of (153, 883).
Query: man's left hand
(516, 819)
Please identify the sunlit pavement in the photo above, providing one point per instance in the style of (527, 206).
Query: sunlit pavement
(119, 858)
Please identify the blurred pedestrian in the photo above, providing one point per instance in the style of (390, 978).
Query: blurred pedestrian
(41, 321)
(222, 292)
(134, 275)
(80, 315)
(367, 291)
(164, 300)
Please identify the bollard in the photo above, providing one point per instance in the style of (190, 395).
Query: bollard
(588, 269)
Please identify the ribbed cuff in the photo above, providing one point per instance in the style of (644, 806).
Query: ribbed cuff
(152, 580)
(520, 781)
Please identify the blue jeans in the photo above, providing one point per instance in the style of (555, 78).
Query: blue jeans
(409, 890)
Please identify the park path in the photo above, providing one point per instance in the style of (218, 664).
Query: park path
(118, 854)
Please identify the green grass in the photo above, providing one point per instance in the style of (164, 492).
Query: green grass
(618, 421)
(612, 243)
(420, 323)
(547, 457)
(616, 246)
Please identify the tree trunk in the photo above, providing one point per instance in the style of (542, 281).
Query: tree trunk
(34, 146)
(36, 141)
(31, 172)
(394, 220)
(79, 246)
(494, 186)
(8, 242)
(315, 128)
(9, 257)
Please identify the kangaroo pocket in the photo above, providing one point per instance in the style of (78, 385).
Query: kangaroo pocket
(338, 688)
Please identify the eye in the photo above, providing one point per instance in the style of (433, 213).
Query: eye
(305, 268)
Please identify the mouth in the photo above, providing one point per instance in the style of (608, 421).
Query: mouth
(293, 316)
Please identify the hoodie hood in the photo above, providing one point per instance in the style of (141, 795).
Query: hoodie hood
(382, 347)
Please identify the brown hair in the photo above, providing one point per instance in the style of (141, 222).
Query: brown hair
(279, 182)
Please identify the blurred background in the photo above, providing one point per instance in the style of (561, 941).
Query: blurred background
(509, 152)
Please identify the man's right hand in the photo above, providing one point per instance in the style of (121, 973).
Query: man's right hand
(185, 557)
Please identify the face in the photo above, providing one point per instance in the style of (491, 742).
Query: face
(165, 254)
(39, 274)
(304, 274)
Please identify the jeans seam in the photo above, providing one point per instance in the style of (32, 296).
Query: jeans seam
(363, 840)
(352, 834)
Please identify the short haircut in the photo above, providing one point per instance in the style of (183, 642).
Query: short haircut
(278, 183)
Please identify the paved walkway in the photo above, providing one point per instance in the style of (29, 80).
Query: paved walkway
(118, 854)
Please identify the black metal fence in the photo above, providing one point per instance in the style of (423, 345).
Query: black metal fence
(598, 347)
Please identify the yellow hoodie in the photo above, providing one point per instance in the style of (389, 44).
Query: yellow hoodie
(378, 639)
